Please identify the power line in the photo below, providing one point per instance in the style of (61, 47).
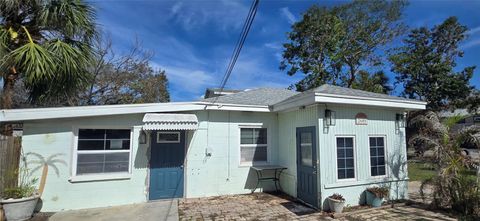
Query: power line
(238, 47)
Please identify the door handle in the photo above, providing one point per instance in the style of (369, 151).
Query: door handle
(181, 166)
(314, 172)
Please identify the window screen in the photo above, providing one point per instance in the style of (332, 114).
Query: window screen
(253, 145)
(103, 151)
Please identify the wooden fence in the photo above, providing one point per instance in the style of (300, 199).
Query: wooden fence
(10, 150)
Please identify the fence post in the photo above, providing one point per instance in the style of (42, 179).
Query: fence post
(10, 150)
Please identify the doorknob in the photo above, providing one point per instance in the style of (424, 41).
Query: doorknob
(181, 166)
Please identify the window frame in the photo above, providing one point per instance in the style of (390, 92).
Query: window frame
(385, 155)
(240, 145)
(167, 132)
(74, 177)
(355, 166)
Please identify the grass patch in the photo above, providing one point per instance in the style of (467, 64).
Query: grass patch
(423, 171)
(420, 171)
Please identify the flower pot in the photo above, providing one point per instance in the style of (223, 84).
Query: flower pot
(19, 209)
(336, 205)
(373, 200)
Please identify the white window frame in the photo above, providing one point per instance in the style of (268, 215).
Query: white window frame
(170, 141)
(355, 167)
(384, 153)
(99, 176)
(240, 145)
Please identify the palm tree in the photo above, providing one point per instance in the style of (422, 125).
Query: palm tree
(47, 44)
(452, 186)
(45, 163)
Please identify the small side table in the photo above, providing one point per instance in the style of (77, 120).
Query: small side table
(276, 175)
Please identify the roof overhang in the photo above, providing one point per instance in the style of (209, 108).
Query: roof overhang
(312, 98)
(170, 122)
(20, 115)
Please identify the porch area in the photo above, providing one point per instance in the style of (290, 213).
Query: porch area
(265, 206)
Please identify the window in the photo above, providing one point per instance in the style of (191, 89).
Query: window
(168, 137)
(377, 156)
(103, 151)
(345, 158)
(253, 145)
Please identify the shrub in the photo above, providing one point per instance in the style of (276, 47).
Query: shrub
(337, 196)
(25, 186)
(379, 192)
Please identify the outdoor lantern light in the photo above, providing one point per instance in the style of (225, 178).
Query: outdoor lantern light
(400, 121)
(142, 138)
(330, 117)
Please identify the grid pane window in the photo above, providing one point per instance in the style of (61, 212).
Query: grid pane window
(377, 156)
(103, 151)
(253, 145)
(345, 158)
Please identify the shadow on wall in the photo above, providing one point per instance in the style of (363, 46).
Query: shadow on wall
(398, 173)
(142, 157)
(252, 178)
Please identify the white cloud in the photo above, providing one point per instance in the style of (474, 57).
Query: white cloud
(473, 30)
(470, 44)
(288, 15)
(186, 81)
(225, 15)
(273, 45)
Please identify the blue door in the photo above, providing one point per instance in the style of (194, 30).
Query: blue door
(307, 166)
(166, 164)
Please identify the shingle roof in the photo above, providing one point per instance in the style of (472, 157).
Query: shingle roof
(336, 90)
(271, 96)
(259, 96)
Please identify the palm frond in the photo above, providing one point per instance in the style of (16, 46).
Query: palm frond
(429, 122)
(57, 161)
(51, 157)
(37, 168)
(38, 156)
(33, 60)
(57, 171)
(75, 19)
(469, 136)
(4, 38)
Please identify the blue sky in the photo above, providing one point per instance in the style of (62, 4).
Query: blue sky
(193, 40)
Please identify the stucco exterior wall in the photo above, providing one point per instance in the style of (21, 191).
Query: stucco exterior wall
(219, 134)
(218, 174)
(56, 137)
(212, 164)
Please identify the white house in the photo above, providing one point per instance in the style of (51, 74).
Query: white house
(329, 139)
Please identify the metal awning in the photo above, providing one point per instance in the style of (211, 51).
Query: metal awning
(170, 122)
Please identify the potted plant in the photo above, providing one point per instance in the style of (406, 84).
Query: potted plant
(19, 202)
(336, 202)
(375, 195)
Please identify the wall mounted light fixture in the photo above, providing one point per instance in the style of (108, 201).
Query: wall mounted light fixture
(399, 121)
(329, 117)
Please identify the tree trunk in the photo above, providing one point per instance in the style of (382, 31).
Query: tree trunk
(43, 179)
(7, 98)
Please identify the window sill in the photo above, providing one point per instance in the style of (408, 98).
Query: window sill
(362, 183)
(99, 177)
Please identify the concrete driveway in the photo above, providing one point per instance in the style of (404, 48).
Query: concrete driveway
(165, 210)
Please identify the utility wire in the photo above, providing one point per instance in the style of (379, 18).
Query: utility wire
(241, 40)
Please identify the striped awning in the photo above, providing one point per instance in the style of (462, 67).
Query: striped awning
(170, 122)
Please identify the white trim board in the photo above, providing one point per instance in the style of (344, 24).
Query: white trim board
(104, 110)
